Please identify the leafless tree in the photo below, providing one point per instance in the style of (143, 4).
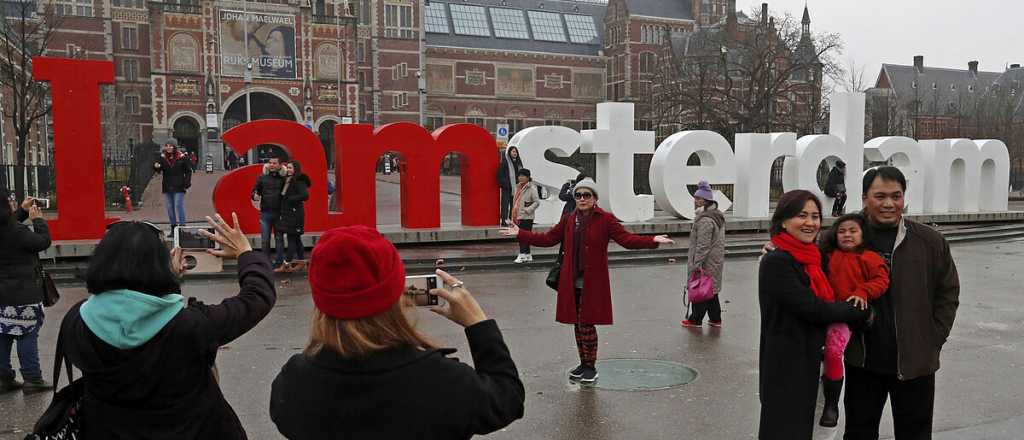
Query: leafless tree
(28, 29)
(757, 77)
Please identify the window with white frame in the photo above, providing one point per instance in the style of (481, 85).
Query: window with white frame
(129, 38)
(648, 62)
(588, 125)
(401, 70)
(130, 70)
(81, 8)
(399, 100)
(398, 21)
(131, 104)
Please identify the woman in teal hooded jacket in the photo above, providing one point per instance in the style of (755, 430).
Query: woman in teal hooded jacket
(145, 352)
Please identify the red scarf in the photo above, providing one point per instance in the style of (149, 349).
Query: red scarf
(809, 256)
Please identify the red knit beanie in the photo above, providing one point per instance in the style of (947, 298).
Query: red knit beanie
(355, 272)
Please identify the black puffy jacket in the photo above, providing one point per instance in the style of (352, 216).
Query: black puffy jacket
(293, 211)
(177, 173)
(19, 284)
(268, 187)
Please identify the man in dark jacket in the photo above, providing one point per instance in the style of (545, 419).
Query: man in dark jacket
(268, 193)
(565, 194)
(897, 357)
(835, 187)
(177, 171)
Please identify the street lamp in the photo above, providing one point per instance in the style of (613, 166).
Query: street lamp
(421, 83)
(248, 105)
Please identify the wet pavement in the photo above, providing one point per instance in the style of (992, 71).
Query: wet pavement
(979, 394)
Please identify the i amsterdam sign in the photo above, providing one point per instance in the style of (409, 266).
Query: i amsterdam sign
(960, 175)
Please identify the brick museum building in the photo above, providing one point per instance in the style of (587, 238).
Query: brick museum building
(190, 69)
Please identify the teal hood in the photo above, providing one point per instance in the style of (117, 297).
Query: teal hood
(127, 319)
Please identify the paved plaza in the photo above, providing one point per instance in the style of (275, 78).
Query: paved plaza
(979, 394)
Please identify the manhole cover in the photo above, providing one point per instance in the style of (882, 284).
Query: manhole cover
(642, 374)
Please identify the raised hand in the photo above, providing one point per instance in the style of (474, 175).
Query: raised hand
(232, 241)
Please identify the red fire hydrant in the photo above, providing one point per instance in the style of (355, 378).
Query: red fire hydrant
(126, 192)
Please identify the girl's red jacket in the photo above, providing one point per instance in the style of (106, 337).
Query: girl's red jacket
(863, 274)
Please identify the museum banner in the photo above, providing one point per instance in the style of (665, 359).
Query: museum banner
(265, 40)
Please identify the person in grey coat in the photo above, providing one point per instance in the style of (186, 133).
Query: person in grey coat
(707, 252)
(524, 206)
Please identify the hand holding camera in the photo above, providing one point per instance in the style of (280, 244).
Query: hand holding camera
(462, 308)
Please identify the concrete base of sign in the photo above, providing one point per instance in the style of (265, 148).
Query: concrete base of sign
(455, 232)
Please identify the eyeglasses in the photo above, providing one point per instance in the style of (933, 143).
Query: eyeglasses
(155, 228)
(583, 196)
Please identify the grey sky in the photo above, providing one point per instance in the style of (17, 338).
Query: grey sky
(949, 33)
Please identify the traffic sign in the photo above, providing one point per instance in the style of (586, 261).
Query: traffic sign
(503, 131)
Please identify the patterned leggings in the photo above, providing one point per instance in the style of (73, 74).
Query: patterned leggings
(586, 337)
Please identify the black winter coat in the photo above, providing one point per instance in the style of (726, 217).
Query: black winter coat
(177, 173)
(507, 174)
(268, 187)
(793, 324)
(19, 255)
(165, 388)
(293, 211)
(568, 195)
(836, 177)
(400, 393)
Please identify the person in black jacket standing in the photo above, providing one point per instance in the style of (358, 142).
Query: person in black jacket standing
(268, 193)
(367, 373)
(293, 215)
(509, 168)
(566, 194)
(147, 354)
(794, 319)
(835, 187)
(21, 294)
(177, 171)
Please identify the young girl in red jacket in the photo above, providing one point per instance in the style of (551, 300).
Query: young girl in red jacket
(857, 275)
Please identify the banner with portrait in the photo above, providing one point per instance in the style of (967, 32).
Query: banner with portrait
(265, 40)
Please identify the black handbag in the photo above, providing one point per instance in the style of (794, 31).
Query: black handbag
(62, 419)
(555, 273)
(45, 281)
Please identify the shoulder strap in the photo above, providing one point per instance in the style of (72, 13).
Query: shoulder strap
(61, 360)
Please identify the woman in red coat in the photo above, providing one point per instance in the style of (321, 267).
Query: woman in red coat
(584, 291)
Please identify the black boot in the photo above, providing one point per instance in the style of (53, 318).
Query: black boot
(8, 383)
(830, 414)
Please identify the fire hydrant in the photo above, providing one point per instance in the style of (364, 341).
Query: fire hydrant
(126, 192)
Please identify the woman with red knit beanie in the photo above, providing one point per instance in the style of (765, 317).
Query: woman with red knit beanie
(794, 318)
(368, 373)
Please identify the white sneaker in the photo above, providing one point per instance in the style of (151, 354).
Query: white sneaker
(527, 257)
(520, 259)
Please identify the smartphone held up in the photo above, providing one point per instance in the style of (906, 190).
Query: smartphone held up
(418, 288)
(197, 260)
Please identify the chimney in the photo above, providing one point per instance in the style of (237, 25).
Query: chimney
(919, 63)
(764, 14)
(973, 67)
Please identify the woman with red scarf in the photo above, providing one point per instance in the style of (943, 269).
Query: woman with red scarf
(794, 319)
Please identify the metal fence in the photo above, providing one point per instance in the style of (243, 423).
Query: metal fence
(39, 180)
